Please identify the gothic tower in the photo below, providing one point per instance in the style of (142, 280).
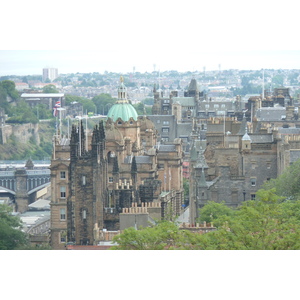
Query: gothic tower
(87, 171)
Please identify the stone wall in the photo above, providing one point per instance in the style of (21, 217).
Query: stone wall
(22, 132)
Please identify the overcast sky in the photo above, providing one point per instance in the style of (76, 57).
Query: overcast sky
(183, 36)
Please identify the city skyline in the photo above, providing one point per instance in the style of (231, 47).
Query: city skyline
(31, 62)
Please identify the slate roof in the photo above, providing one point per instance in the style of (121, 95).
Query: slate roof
(185, 101)
(138, 159)
(166, 148)
(291, 130)
(294, 155)
(271, 113)
(56, 95)
(40, 205)
(261, 138)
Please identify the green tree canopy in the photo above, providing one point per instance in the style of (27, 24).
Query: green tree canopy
(7, 89)
(10, 88)
(164, 235)
(103, 103)
(22, 113)
(287, 184)
(263, 224)
(11, 237)
(212, 211)
(87, 104)
(50, 89)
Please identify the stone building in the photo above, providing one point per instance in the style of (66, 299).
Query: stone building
(236, 161)
(94, 177)
(232, 147)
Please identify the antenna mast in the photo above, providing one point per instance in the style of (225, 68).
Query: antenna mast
(263, 85)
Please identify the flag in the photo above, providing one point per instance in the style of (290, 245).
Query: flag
(56, 106)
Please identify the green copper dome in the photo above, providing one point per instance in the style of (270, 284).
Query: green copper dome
(122, 109)
(125, 111)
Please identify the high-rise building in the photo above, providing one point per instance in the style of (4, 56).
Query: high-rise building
(50, 74)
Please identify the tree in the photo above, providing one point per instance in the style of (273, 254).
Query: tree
(277, 80)
(87, 104)
(140, 108)
(164, 235)
(213, 210)
(11, 236)
(22, 113)
(103, 102)
(50, 89)
(42, 112)
(262, 224)
(287, 184)
(10, 88)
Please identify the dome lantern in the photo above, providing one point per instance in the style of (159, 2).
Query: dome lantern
(122, 108)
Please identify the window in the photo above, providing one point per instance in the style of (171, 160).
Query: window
(83, 179)
(84, 214)
(253, 181)
(165, 130)
(62, 237)
(165, 122)
(252, 196)
(62, 192)
(62, 175)
(62, 214)
(110, 179)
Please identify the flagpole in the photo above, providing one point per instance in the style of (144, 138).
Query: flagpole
(79, 137)
(86, 134)
(60, 122)
(170, 178)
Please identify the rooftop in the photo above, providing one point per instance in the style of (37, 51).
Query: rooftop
(57, 95)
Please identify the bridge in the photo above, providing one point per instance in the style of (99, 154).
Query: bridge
(20, 181)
